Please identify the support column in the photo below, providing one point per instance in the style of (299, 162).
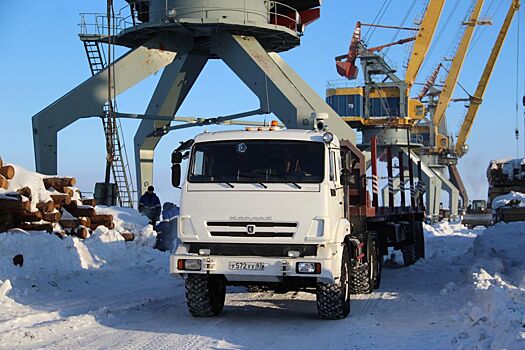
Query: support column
(88, 99)
(173, 87)
(279, 89)
(432, 182)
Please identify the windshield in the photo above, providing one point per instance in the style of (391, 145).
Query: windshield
(252, 161)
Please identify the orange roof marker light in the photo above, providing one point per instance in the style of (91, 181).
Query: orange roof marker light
(274, 123)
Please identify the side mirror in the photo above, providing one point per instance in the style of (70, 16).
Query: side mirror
(176, 157)
(175, 175)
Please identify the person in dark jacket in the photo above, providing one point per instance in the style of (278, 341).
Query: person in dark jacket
(149, 205)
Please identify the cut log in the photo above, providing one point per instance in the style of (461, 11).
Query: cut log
(110, 226)
(60, 234)
(8, 171)
(85, 221)
(26, 192)
(1, 162)
(85, 211)
(13, 202)
(28, 217)
(69, 223)
(80, 232)
(6, 221)
(59, 182)
(128, 236)
(46, 207)
(52, 217)
(3, 182)
(34, 226)
(106, 219)
(90, 201)
(61, 199)
(67, 190)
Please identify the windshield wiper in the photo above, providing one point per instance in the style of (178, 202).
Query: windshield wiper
(286, 178)
(219, 180)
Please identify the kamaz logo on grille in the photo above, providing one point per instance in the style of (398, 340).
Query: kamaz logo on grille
(250, 229)
(251, 218)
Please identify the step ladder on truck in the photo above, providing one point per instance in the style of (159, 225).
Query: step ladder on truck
(289, 210)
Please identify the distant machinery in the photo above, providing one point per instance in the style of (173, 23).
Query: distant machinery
(441, 151)
(383, 108)
(181, 36)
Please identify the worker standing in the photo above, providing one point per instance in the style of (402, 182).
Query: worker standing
(149, 205)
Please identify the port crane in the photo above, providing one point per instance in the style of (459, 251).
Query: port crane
(441, 150)
(383, 108)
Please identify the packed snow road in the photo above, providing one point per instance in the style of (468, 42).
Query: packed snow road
(135, 304)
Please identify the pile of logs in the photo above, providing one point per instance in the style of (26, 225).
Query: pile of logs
(65, 213)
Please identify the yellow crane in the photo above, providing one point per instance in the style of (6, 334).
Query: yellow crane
(422, 43)
(476, 100)
(441, 141)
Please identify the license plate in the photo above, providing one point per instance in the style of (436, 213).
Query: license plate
(254, 266)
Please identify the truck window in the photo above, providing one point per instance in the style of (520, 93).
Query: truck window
(252, 161)
(332, 166)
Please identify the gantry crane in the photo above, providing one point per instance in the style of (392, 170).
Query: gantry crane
(477, 98)
(447, 152)
(383, 108)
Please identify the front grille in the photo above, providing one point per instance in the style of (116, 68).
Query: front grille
(265, 250)
(249, 229)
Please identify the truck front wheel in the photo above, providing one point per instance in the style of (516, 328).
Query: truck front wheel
(333, 299)
(205, 295)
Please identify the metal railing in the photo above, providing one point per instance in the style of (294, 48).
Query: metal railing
(276, 14)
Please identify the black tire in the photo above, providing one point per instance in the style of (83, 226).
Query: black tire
(361, 283)
(333, 299)
(416, 249)
(205, 295)
(367, 277)
(377, 266)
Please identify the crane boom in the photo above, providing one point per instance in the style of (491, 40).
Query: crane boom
(476, 100)
(423, 40)
(457, 64)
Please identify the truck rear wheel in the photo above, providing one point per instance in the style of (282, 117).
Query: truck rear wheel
(367, 277)
(333, 299)
(205, 295)
(416, 250)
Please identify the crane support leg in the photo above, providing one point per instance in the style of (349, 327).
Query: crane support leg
(433, 185)
(435, 181)
(89, 98)
(279, 89)
(173, 87)
(457, 181)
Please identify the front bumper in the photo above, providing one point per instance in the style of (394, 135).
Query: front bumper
(275, 268)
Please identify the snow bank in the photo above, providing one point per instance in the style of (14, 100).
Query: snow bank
(495, 317)
(517, 199)
(44, 253)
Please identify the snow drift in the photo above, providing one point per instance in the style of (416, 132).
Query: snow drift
(495, 316)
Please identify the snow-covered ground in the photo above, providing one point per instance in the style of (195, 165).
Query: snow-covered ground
(104, 293)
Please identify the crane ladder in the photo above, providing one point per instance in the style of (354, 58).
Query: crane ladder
(113, 133)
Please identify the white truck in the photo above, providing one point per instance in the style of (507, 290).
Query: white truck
(286, 210)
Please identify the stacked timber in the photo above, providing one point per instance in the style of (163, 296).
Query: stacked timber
(57, 207)
(505, 176)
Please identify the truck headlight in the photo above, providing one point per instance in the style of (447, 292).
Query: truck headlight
(308, 268)
(189, 264)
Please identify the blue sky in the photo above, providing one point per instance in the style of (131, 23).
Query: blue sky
(42, 59)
